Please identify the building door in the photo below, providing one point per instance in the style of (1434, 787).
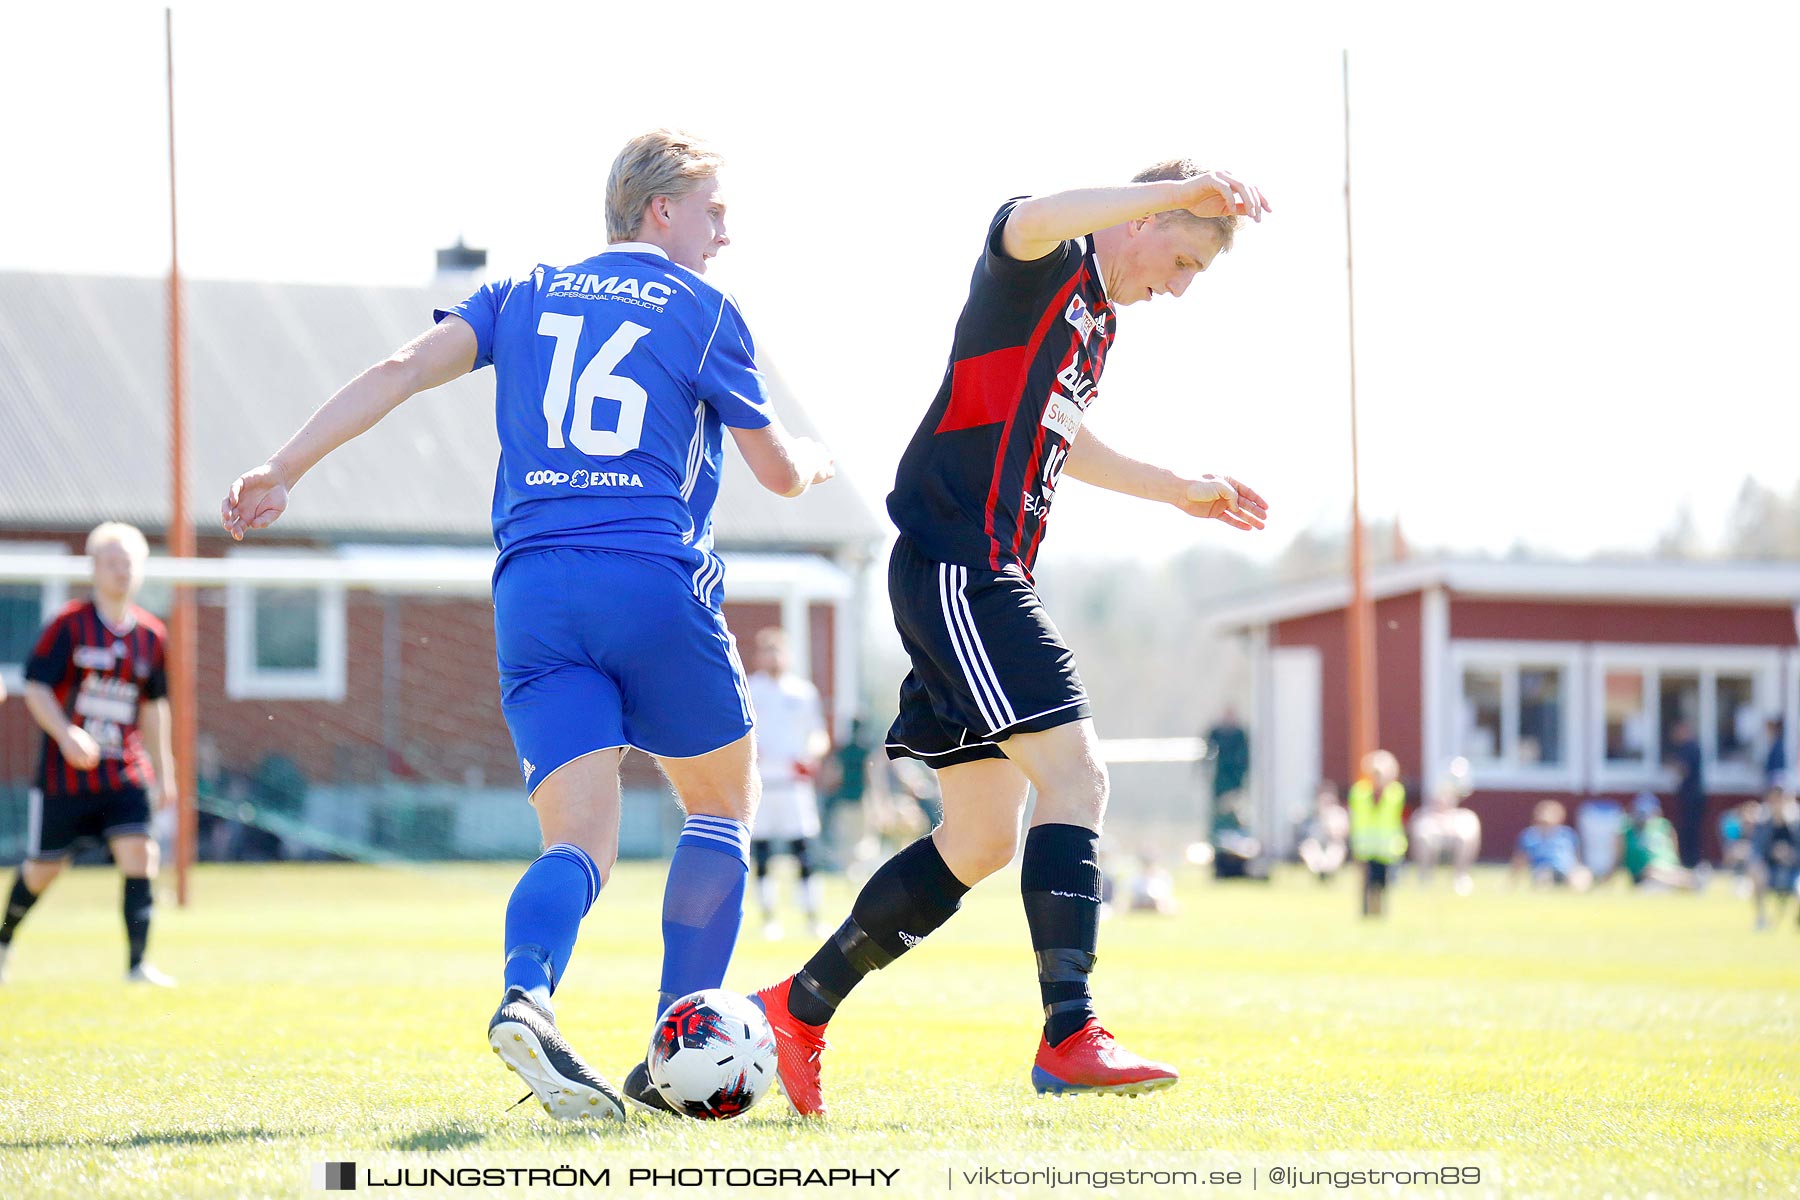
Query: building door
(1292, 753)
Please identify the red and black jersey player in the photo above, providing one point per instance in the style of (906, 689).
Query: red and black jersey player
(96, 686)
(993, 701)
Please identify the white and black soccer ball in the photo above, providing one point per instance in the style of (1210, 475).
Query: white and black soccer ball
(712, 1055)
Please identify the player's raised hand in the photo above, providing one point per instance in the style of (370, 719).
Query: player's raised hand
(1220, 194)
(255, 500)
(1222, 498)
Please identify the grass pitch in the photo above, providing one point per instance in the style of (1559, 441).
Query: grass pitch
(1609, 1044)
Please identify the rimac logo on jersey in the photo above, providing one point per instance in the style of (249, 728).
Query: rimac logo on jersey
(645, 293)
(584, 479)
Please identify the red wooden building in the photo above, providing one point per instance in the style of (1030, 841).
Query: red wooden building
(1559, 680)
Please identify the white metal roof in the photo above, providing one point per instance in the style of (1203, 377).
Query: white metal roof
(84, 392)
(1689, 583)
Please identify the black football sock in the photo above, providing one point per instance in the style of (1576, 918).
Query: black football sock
(912, 894)
(17, 905)
(1061, 885)
(138, 903)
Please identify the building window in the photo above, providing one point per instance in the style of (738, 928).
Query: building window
(1737, 720)
(1483, 702)
(25, 608)
(1677, 705)
(1626, 717)
(1516, 721)
(285, 643)
(1541, 711)
(1721, 694)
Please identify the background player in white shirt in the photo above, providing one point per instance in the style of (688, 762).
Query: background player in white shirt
(791, 740)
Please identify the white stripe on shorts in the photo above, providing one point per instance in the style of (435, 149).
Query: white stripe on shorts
(953, 622)
(712, 569)
(1005, 705)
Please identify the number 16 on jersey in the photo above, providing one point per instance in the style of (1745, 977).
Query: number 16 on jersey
(598, 381)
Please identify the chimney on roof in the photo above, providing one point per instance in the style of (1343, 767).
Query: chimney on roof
(460, 263)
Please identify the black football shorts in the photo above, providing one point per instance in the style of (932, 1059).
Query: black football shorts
(987, 662)
(55, 823)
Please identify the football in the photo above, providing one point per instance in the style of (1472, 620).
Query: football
(712, 1055)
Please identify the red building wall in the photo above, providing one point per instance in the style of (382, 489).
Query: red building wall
(1736, 625)
(1397, 680)
(1504, 814)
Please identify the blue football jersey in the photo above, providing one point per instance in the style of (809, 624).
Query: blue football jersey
(613, 380)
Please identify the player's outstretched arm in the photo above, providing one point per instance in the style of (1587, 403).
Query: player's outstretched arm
(785, 464)
(444, 352)
(1041, 224)
(1221, 498)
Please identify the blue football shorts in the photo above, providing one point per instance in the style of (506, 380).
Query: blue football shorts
(601, 648)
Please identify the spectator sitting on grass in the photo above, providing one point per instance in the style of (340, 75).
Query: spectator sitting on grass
(1152, 888)
(1325, 835)
(1547, 849)
(1647, 848)
(1774, 852)
(1443, 831)
(1236, 853)
(1735, 827)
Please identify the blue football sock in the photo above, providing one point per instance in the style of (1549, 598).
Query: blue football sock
(544, 915)
(703, 905)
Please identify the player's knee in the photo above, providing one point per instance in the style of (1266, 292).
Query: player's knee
(135, 856)
(41, 873)
(973, 854)
(1076, 796)
(735, 798)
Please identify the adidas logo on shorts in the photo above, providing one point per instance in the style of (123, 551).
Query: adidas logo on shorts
(909, 940)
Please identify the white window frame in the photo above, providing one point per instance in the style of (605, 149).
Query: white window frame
(1507, 658)
(1762, 663)
(54, 593)
(245, 680)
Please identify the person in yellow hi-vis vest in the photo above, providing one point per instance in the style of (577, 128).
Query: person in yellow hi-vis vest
(1377, 832)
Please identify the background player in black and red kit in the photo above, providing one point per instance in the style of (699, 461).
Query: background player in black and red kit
(96, 686)
(993, 701)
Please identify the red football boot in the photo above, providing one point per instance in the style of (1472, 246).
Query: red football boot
(798, 1047)
(1090, 1060)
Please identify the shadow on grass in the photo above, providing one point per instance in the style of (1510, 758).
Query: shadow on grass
(166, 1137)
(439, 1137)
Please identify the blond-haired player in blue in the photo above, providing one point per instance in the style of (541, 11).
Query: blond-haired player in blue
(614, 379)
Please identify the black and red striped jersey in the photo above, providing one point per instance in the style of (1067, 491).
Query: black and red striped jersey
(100, 673)
(975, 484)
